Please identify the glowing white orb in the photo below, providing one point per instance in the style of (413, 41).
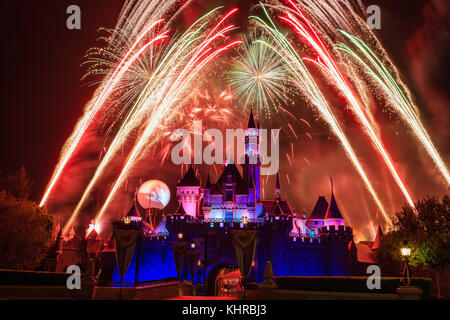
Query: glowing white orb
(153, 194)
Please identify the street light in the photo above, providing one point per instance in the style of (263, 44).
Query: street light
(180, 236)
(193, 245)
(406, 252)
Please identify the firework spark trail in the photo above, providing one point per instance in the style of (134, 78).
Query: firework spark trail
(203, 107)
(328, 17)
(86, 121)
(326, 62)
(160, 79)
(309, 88)
(200, 57)
(149, 130)
(108, 154)
(258, 77)
(400, 101)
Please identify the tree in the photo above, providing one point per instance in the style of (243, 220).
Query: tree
(425, 230)
(25, 228)
(17, 184)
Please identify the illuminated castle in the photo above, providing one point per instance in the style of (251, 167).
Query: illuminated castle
(295, 244)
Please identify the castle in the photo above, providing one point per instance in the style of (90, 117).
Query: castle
(318, 245)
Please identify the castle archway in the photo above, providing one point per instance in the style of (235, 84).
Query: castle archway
(223, 279)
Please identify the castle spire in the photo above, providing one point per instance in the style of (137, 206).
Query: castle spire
(208, 183)
(331, 182)
(377, 242)
(333, 211)
(251, 121)
(277, 188)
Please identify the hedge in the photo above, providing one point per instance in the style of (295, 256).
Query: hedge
(32, 278)
(348, 284)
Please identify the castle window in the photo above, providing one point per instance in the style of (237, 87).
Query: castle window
(229, 216)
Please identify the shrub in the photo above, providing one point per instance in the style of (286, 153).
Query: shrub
(348, 284)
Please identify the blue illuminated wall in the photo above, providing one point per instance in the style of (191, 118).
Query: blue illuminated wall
(155, 262)
(153, 259)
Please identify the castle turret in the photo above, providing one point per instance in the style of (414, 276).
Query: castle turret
(252, 159)
(189, 193)
(333, 217)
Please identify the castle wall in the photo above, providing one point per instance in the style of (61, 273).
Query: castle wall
(154, 260)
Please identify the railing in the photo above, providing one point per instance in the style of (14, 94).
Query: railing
(220, 220)
(126, 284)
(151, 235)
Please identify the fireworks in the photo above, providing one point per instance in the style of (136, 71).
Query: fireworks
(164, 91)
(308, 87)
(326, 62)
(258, 77)
(400, 101)
(138, 19)
(205, 106)
(198, 57)
(150, 83)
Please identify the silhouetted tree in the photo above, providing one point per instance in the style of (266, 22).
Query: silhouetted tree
(25, 228)
(16, 183)
(425, 230)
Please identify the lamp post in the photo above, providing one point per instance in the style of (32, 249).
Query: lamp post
(406, 252)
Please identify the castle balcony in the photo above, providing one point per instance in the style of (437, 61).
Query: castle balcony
(216, 223)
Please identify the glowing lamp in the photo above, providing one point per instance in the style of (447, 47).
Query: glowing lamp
(406, 252)
(180, 236)
(192, 245)
(199, 263)
(127, 220)
(245, 220)
(253, 263)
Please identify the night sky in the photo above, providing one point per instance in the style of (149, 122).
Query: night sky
(43, 97)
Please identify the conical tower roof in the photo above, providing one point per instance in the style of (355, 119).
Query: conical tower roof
(333, 211)
(134, 212)
(180, 210)
(251, 121)
(320, 209)
(377, 242)
(277, 183)
(189, 179)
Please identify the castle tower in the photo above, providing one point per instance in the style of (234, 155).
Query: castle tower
(333, 217)
(252, 160)
(189, 193)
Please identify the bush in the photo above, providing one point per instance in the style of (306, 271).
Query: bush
(32, 278)
(347, 284)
